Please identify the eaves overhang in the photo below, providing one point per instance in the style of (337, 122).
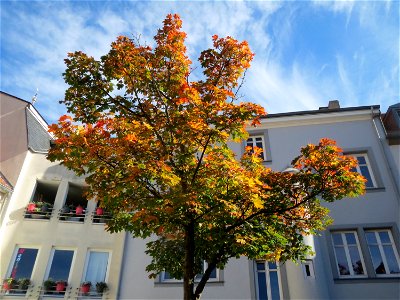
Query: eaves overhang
(322, 116)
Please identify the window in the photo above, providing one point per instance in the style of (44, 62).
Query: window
(365, 170)
(308, 269)
(257, 141)
(267, 281)
(349, 259)
(61, 264)
(166, 277)
(385, 258)
(96, 267)
(365, 252)
(23, 263)
(45, 191)
(75, 205)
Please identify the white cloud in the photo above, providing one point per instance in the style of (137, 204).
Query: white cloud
(41, 34)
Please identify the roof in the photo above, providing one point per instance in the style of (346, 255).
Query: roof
(30, 106)
(4, 183)
(321, 111)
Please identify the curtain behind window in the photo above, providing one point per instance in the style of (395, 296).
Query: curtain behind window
(97, 267)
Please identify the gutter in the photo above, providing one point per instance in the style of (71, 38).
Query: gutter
(386, 152)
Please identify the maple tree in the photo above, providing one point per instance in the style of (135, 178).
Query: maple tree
(154, 148)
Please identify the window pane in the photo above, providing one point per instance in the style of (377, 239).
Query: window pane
(24, 262)
(371, 238)
(361, 160)
(365, 172)
(342, 261)
(260, 266)
(356, 260)
(377, 260)
(167, 276)
(391, 259)
(97, 266)
(272, 265)
(337, 239)
(384, 236)
(350, 238)
(61, 264)
(262, 286)
(273, 277)
(213, 273)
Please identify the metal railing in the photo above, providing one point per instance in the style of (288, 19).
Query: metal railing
(72, 216)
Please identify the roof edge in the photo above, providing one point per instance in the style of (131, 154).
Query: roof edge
(320, 111)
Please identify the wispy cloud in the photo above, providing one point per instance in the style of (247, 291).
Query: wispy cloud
(353, 63)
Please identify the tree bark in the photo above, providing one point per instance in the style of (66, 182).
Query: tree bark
(204, 279)
(188, 278)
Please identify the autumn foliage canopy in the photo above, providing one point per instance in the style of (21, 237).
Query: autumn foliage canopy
(154, 148)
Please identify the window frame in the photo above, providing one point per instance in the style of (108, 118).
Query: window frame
(174, 280)
(50, 263)
(361, 228)
(347, 253)
(267, 270)
(14, 257)
(87, 264)
(380, 245)
(310, 264)
(254, 144)
(369, 167)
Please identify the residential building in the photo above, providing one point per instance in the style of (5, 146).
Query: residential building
(355, 258)
(50, 230)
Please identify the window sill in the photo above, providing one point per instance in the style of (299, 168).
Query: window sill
(375, 189)
(180, 283)
(367, 280)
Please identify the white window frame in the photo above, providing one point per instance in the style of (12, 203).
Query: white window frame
(14, 256)
(205, 265)
(348, 258)
(87, 264)
(254, 144)
(50, 262)
(310, 264)
(267, 271)
(368, 165)
(382, 252)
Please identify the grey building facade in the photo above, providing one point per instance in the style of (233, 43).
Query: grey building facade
(357, 257)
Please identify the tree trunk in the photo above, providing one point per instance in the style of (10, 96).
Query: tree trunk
(188, 278)
(204, 279)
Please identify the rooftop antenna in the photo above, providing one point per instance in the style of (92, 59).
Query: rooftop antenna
(34, 98)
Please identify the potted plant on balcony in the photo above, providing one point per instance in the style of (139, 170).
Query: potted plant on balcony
(99, 211)
(31, 207)
(49, 285)
(9, 284)
(79, 210)
(60, 285)
(23, 284)
(85, 287)
(101, 287)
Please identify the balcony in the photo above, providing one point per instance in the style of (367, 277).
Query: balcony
(70, 214)
(15, 287)
(38, 210)
(99, 216)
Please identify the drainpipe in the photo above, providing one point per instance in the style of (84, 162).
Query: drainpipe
(386, 152)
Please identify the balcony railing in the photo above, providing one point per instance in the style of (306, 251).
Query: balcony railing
(16, 287)
(100, 218)
(72, 215)
(43, 213)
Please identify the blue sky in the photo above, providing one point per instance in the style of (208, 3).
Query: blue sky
(307, 52)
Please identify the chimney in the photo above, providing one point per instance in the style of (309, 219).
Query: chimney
(333, 104)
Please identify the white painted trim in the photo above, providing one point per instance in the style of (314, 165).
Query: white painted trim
(313, 119)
